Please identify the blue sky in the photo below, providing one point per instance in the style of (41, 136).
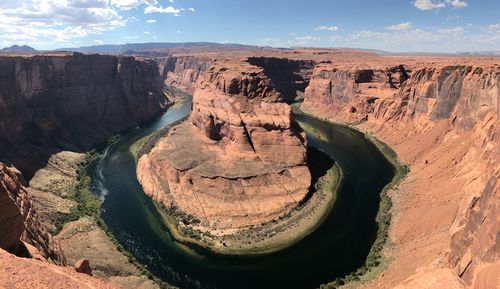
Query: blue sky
(393, 25)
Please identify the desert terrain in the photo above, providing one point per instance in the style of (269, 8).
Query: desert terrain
(438, 113)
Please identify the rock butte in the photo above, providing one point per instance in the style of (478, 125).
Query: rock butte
(240, 159)
(440, 114)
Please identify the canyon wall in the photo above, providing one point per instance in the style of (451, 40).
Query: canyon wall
(22, 231)
(441, 119)
(51, 104)
(239, 161)
(290, 76)
(183, 71)
(72, 102)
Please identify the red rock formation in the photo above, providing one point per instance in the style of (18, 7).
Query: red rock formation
(239, 161)
(290, 76)
(72, 102)
(21, 273)
(352, 92)
(83, 266)
(19, 221)
(183, 71)
(443, 121)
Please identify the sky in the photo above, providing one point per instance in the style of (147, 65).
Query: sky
(392, 25)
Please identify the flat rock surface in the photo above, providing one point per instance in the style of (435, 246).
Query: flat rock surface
(21, 273)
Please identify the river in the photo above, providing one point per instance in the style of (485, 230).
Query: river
(339, 245)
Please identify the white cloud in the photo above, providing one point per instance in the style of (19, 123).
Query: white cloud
(437, 4)
(454, 30)
(452, 17)
(45, 22)
(98, 41)
(494, 26)
(327, 28)
(457, 3)
(400, 26)
(275, 42)
(131, 4)
(131, 37)
(454, 39)
(160, 9)
(304, 40)
(147, 32)
(191, 9)
(428, 5)
(178, 32)
(151, 21)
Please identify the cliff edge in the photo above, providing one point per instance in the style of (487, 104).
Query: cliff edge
(239, 161)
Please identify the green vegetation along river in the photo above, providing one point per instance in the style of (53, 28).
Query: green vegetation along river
(338, 247)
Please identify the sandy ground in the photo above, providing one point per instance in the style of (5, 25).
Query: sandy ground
(82, 238)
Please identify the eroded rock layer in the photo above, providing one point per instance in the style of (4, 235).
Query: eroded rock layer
(442, 119)
(19, 223)
(240, 160)
(50, 103)
(183, 71)
(72, 102)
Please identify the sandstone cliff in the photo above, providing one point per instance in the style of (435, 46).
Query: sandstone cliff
(22, 231)
(442, 119)
(239, 161)
(48, 104)
(290, 76)
(71, 102)
(183, 71)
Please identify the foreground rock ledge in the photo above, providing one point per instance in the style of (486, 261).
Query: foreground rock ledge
(239, 161)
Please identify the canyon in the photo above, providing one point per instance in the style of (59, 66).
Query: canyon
(240, 159)
(442, 120)
(439, 114)
(54, 107)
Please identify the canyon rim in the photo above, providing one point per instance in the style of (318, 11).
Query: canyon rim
(285, 162)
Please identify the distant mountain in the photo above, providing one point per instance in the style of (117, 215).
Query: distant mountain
(17, 48)
(482, 53)
(160, 47)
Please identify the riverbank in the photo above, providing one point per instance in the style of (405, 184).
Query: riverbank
(143, 145)
(269, 237)
(265, 238)
(376, 261)
(340, 245)
(72, 213)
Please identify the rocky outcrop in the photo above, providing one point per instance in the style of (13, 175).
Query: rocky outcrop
(352, 93)
(83, 266)
(19, 221)
(239, 161)
(442, 119)
(20, 273)
(71, 102)
(290, 76)
(183, 71)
